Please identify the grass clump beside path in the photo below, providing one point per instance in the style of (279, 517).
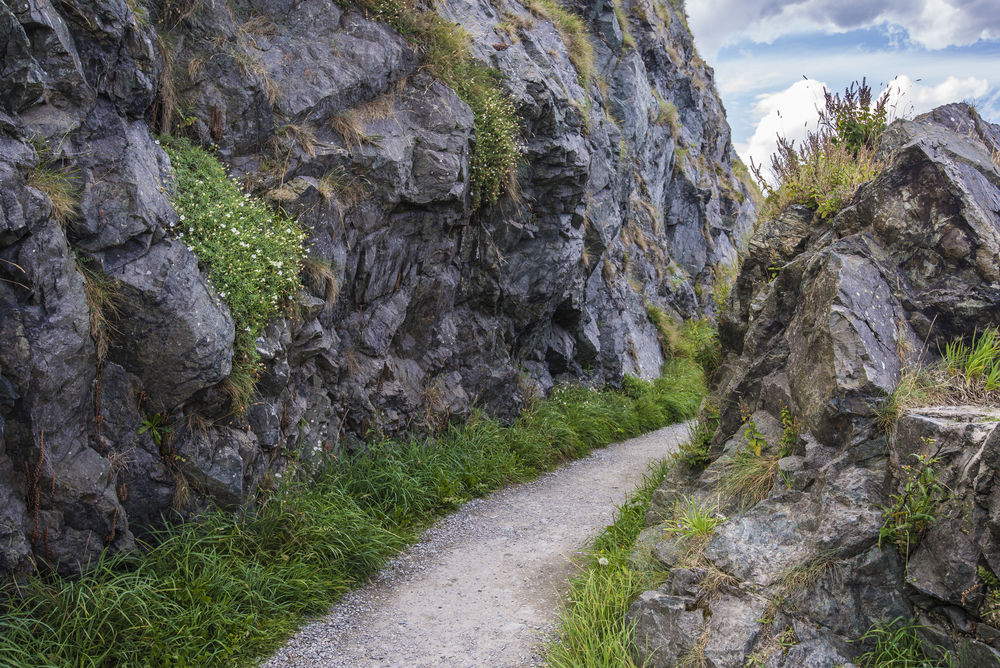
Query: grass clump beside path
(592, 628)
(230, 589)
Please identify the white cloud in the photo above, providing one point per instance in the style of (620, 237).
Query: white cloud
(788, 113)
(910, 97)
(934, 24)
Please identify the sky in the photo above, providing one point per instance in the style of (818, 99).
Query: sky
(773, 58)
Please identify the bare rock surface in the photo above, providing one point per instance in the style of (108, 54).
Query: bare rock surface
(483, 586)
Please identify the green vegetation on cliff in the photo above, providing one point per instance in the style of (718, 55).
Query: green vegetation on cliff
(445, 49)
(253, 253)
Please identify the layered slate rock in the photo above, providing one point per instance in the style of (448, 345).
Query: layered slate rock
(443, 307)
(824, 319)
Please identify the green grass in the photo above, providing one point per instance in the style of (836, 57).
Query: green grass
(694, 339)
(693, 520)
(592, 628)
(253, 253)
(445, 49)
(899, 646)
(574, 33)
(694, 452)
(229, 589)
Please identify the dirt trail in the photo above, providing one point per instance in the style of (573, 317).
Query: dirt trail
(483, 586)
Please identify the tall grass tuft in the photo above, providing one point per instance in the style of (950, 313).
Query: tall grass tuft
(898, 645)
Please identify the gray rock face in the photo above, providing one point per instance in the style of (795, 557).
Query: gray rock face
(180, 332)
(823, 320)
(666, 628)
(441, 307)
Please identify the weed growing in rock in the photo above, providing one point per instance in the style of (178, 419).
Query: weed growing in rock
(976, 366)
(854, 120)
(802, 576)
(827, 169)
(628, 41)
(791, 426)
(693, 520)
(253, 252)
(446, 52)
(898, 645)
(574, 33)
(914, 508)
(969, 373)
(59, 185)
(989, 610)
(748, 478)
(668, 115)
(156, 425)
(322, 277)
(821, 174)
(756, 441)
(104, 298)
(915, 388)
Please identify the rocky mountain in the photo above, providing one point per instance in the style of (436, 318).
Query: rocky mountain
(864, 519)
(120, 396)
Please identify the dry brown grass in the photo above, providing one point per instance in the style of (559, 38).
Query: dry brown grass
(252, 68)
(182, 493)
(59, 185)
(382, 107)
(803, 576)
(347, 189)
(119, 461)
(258, 26)
(197, 424)
(352, 362)
(195, 67)
(696, 657)
(519, 21)
(349, 126)
(302, 135)
(609, 271)
(322, 278)
(104, 300)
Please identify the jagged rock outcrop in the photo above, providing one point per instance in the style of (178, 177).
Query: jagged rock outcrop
(912, 263)
(443, 307)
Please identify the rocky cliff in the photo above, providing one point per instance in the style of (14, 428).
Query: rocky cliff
(826, 320)
(117, 374)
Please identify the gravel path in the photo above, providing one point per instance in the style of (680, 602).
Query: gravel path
(483, 586)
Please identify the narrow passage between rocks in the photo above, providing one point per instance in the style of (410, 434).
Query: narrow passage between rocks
(483, 586)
